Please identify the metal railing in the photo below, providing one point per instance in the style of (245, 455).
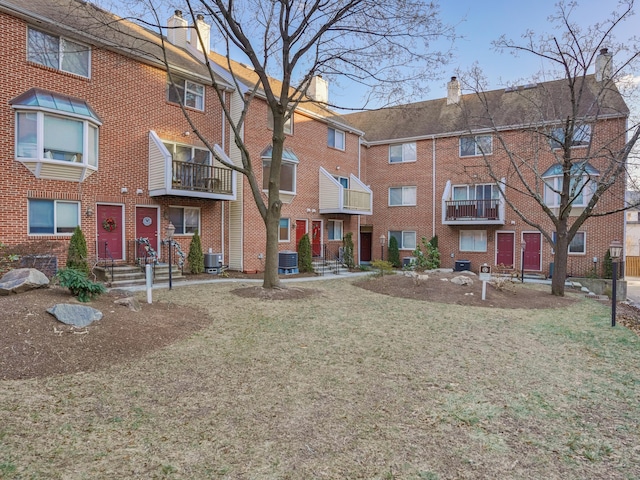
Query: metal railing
(472, 209)
(106, 259)
(202, 178)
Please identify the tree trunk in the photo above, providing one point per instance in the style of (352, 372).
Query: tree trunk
(560, 265)
(272, 224)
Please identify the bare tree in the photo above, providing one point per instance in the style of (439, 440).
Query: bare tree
(385, 46)
(562, 145)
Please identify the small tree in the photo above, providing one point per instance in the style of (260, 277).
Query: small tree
(394, 253)
(430, 257)
(77, 253)
(304, 254)
(434, 242)
(607, 266)
(195, 257)
(347, 243)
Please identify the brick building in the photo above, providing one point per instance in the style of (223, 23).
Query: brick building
(94, 136)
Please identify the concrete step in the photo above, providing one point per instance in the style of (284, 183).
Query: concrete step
(132, 275)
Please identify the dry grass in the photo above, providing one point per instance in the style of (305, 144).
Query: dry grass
(345, 384)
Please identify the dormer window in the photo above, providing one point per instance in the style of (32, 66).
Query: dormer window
(58, 52)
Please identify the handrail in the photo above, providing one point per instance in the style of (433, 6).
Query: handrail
(200, 177)
(477, 209)
(107, 256)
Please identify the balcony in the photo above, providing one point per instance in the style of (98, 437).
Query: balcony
(472, 212)
(336, 198)
(188, 179)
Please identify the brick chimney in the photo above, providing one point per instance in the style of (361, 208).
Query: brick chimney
(453, 91)
(604, 65)
(318, 89)
(205, 32)
(177, 28)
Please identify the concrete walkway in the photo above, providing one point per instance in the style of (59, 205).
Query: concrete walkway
(633, 290)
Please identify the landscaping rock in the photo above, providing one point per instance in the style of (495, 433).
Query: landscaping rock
(76, 315)
(130, 302)
(462, 280)
(22, 280)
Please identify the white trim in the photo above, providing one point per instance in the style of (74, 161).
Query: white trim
(183, 207)
(335, 221)
(402, 204)
(486, 241)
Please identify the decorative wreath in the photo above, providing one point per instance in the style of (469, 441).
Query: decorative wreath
(109, 224)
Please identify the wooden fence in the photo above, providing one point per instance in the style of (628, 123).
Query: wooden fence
(632, 266)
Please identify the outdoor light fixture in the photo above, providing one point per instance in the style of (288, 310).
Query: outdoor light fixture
(169, 232)
(523, 244)
(382, 240)
(615, 250)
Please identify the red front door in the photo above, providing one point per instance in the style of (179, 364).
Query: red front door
(301, 229)
(147, 225)
(365, 246)
(505, 242)
(110, 229)
(316, 238)
(532, 251)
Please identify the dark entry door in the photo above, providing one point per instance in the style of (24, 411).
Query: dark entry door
(505, 243)
(365, 246)
(316, 238)
(301, 229)
(532, 251)
(110, 229)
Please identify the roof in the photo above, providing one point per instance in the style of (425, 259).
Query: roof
(511, 108)
(36, 97)
(287, 154)
(84, 22)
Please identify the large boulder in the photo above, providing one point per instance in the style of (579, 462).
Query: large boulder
(76, 315)
(22, 280)
(462, 280)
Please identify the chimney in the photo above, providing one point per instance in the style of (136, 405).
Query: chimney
(604, 65)
(205, 33)
(318, 89)
(453, 91)
(177, 30)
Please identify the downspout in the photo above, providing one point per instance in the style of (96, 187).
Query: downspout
(224, 202)
(433, 186)
(360, 177)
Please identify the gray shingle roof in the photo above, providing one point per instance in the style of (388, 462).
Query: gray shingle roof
(541, 103)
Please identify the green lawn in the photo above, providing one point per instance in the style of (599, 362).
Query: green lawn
(345, 385)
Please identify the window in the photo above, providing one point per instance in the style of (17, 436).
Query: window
(190, 94)
(49, 217)
(406, 239)
(475, 145)
(401, 153)
(487, 191)
(344, 181)
(58, 52)
(287, 176)
(283, 231)
(288, 124)
(579, 192)
(402, 196)
(473, 241)
(335, 229)
(577, 246)
(185, 219)
(336, 138)
(581, 136)
(62, 138)
(188, 153)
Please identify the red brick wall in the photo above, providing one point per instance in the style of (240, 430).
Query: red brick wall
(130, 99)
(471, 170)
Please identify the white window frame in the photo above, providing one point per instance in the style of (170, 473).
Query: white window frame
(281, 228)
(55, 217)
(581, 136)
(286, 164)
(182, 88)
(335, 224)
(404, 202)
(288, 124)
(404, 234)
(62, 42)
(477, 242)
(553, 187)
(477, 145)
(171, 148)
(584, 243)
(336, 134)
(184, 209)
(36, 151)
(407, 154)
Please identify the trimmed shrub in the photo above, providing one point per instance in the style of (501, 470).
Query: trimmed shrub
(607, 266)
(347, 243)
(394, 252)
(304, 254)
(195, 257)
(77, 254)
